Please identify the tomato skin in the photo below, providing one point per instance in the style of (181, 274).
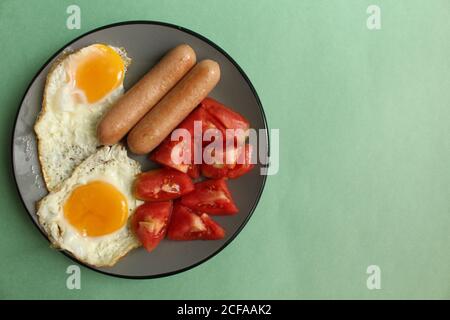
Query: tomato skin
(150, 221)
(214, 230)
(234, 170)
(208, 122)
(213, 115)
(211, 196)
(228, 118)
(194, 171)
(162, 184)
(185, 224)
(214, 171)
(162, 154)
(244, 164)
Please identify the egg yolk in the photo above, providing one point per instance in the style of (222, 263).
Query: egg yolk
(99, 72)
(96, 209)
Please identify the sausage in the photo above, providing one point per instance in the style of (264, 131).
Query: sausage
(174, 107)
(144, 95)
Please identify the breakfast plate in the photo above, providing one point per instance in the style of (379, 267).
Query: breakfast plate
(145, 43)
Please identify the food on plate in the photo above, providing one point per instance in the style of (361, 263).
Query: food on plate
(163, 154)
(80, 88)
(162, 184)
(211, 196)
(144, 95)
(157, 124)
(244, 163)
(95, 208)
(88, 215)
(185, 224)
(234, 160)
(193, 171)
(150, 222)
(222, 169)
(228, 118)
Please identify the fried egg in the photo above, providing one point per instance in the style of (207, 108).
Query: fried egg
(79, 89)
(89, 213)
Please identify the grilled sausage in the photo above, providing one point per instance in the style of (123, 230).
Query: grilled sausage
(174, 107)
(145, 94)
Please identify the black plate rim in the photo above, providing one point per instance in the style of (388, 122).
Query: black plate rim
(247, 80)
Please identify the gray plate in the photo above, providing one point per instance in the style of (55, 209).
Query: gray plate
(145, 43)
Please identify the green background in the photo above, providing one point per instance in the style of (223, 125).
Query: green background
(364, 119)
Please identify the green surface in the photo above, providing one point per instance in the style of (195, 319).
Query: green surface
(364, 119)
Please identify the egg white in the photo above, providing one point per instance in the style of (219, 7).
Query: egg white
(108, 164)
(66, 126)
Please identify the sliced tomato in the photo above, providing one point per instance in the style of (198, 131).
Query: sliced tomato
(194, 171)
(184, 149)
(241, 165)
(207, 121)
(213, 230)
(244, 163)
(163, 154)
(224, 160)
(214, 171)
(150, 222)
(162, 184)
(211, 196)
(185, 224)
(213, 115)
(228, 118)
(231, 122)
